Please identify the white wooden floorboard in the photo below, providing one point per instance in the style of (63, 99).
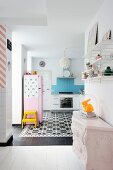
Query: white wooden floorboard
(39, 158)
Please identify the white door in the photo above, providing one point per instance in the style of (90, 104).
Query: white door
(47, 78)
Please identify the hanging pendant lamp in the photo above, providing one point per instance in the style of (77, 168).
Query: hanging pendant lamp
(64, 61)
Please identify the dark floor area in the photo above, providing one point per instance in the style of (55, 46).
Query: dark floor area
(37, 141)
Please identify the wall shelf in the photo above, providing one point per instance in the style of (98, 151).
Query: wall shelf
(99, 77)
(65, 77)
(99, 58)
(100, 48)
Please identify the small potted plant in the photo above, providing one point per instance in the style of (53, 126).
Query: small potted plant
(108, 71)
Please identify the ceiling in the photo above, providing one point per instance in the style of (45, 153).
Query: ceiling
(47, 27)
(23, 12)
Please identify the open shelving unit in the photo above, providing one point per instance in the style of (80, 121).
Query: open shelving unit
(105, 51)
(99, 78)
(105, 45)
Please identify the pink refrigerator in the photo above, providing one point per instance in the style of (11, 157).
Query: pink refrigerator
(33, 98)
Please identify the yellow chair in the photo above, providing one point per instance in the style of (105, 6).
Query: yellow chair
(33, 120)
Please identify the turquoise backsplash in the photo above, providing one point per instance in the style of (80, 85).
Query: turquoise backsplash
(66, 85)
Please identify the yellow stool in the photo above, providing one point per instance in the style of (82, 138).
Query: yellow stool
(33, 120)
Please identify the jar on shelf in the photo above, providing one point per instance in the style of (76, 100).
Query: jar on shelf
(98, 57)
(91, 73)
(95, 69)
(84, 75)
(88, 66)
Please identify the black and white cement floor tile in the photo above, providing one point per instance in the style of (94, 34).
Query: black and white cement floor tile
(55, 124)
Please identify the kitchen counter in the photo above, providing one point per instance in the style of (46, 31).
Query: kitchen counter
(65, 94)
(72, 99)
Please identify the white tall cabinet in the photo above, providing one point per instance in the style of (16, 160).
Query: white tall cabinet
(5, 86)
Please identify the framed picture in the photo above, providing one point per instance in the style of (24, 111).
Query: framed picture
(9, 45)
(107, 35)
(93, 37)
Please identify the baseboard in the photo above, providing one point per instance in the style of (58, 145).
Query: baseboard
(16, 124)
(62, 111)
(8, 142)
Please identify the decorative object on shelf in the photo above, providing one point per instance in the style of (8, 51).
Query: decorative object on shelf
(87, 107)
(88, 65)
(34, 72)
(72, 75)
(42, 63)
(108, 71)
(91, 73)
(81, 91)
(93, 37)
(95, 70)
(88, 111)
(98, 57)
(28, 73)
(85, 75)
(66, 73)
(107, 36)
(31, 73)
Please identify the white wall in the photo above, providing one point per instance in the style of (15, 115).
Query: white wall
(104, 18)
(6, 89)
(29, 60)
(102, 90)
(52, 64)
(23, 59)
(77, 67)
(9, 88)
(19, 53)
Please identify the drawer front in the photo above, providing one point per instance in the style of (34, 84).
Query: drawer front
(55, 98)
(78, 130)
(80, 150)
(55, 106)
(77, 133)
(55, 101)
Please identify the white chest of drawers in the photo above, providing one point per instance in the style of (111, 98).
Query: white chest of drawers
(93, 142)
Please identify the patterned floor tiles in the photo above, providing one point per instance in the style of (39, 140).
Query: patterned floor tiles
(55, 124)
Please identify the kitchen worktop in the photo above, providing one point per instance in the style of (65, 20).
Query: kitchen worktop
(66, 94)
